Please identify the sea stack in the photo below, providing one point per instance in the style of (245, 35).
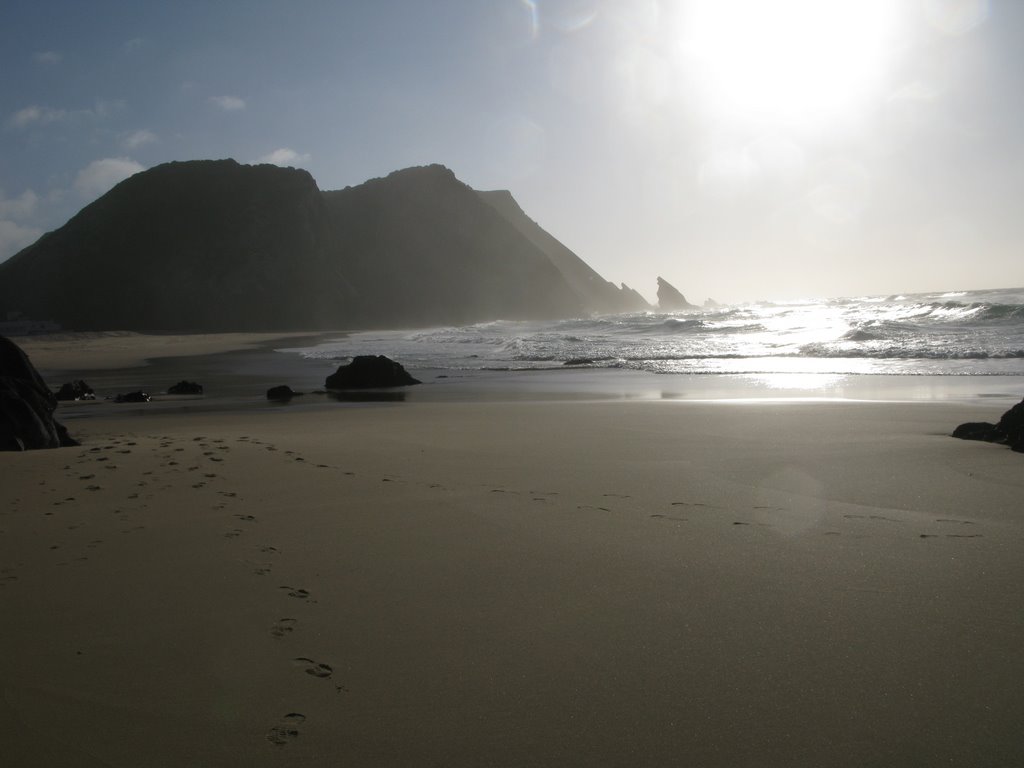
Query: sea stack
(670, 299)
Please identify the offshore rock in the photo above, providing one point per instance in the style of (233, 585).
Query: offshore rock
(671, 300)
(369, 372)
(26, 404)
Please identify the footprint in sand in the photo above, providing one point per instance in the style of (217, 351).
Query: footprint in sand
(269, 550)
(246, 518)
(233, 534)
(287, 730)
(296, 592)
(667, 517)
(283, 627)
(314, 668)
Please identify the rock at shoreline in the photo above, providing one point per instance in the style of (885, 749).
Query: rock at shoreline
(26, 405)
(281, 393)
(369, 372)
(1009, 431)
(75, 390)
(185, 388)
(132, 397)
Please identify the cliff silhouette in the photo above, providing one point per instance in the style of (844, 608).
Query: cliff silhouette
(213, 245)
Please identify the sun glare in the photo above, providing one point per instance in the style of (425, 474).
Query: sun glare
(795, 62)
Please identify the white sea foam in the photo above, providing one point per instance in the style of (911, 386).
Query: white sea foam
(958, 332)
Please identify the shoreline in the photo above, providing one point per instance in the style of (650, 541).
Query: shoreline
(237, 369)
(66, 352)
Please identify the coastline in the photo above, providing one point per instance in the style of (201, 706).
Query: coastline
(543, 572)
(238, 368)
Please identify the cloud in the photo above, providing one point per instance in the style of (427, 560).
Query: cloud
(139, 139)
(47, 58)
(284, 156)
(135, 44)
(20, 207)
(14, 237)
(37, 115)
(100, 175)
(228, 103)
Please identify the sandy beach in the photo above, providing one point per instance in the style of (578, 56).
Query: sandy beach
(533, 581)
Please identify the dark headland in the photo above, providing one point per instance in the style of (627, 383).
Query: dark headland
(213, 245)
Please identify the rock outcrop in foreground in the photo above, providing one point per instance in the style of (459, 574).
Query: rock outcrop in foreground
(212, 245)
(1009, 431)
(26, 405)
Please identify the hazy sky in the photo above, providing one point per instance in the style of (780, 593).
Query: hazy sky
(742, 149)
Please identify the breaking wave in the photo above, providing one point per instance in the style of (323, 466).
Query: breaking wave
(973, 332)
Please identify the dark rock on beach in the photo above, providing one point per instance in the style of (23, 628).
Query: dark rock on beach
(75, 390)
(281, 393)
(132, 397)
(1008, 431)
(185, 388)
(369, 372)
(26, 404)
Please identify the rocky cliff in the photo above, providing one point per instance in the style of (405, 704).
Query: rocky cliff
(596, 293)
(215, 245)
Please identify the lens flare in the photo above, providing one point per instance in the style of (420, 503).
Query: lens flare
(796, 62)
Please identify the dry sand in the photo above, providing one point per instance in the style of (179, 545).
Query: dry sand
(519, 584)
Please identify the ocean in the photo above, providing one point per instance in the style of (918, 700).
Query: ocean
(954, 333)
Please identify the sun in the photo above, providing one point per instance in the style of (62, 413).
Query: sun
(800, 63)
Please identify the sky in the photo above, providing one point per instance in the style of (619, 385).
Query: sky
(741, 149)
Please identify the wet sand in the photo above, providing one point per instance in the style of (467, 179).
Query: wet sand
(539, 582)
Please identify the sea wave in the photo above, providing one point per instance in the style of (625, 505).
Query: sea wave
(956, 331)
